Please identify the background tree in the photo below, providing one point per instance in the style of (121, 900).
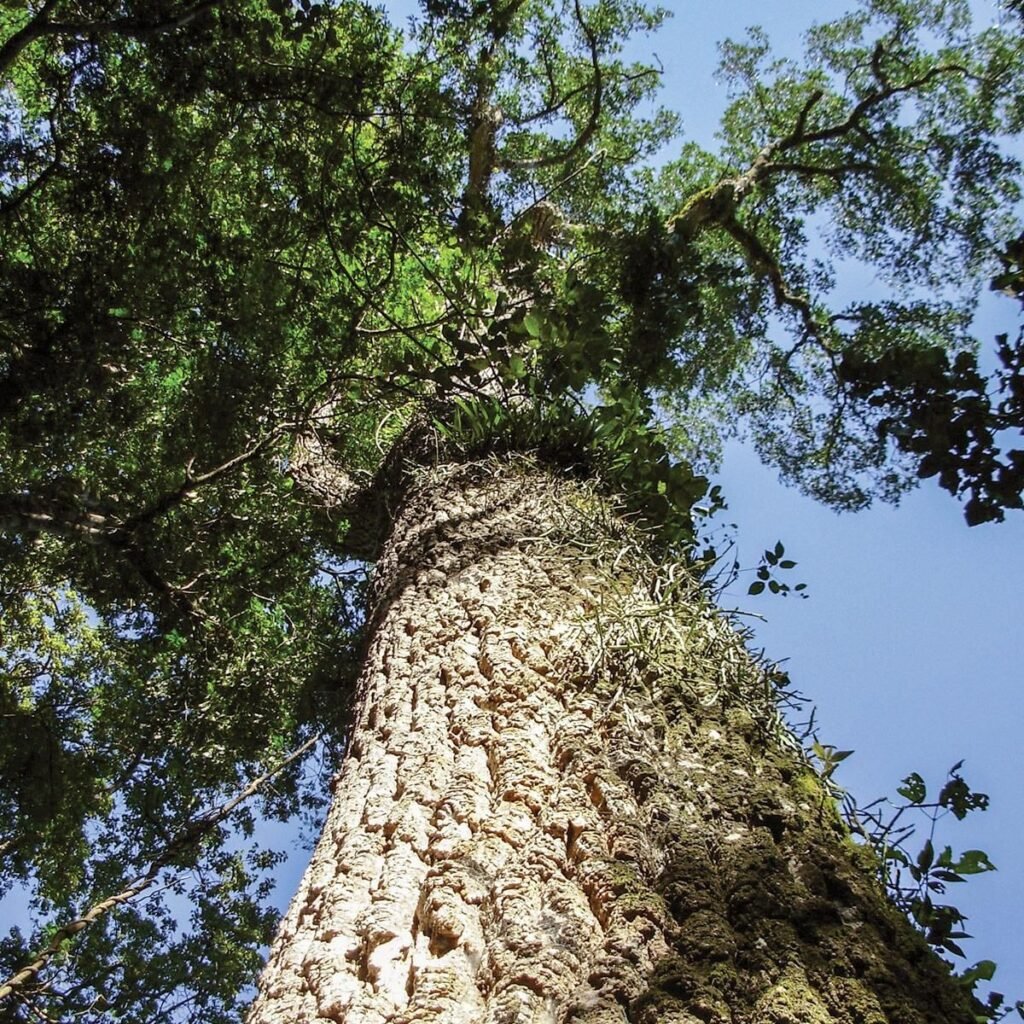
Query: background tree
(245, 248)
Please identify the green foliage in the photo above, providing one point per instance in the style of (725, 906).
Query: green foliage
(771, 561)
(828, 759)
(915, 880)
(948, 416)
(612, 444)
(840, 162)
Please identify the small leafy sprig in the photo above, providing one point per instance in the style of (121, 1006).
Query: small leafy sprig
(914, 881)
(771, 562)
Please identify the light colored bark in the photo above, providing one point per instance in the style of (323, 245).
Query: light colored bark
(567, 798)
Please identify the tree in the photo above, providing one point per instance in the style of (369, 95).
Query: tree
(279, 288)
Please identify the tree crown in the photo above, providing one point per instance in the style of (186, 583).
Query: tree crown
(249, 249)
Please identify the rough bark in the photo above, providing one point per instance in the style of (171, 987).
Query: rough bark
(568, 797)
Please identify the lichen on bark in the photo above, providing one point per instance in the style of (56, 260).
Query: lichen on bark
(568, 797)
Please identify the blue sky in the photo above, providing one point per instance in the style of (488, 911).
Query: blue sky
(906, 645)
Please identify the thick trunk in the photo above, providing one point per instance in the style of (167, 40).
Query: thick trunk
(568, 798)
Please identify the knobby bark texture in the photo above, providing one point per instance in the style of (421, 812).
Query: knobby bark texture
(568, 797)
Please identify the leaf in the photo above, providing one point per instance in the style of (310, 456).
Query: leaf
(926, 856)
(958, 797)
(973, 862)
(757, 587)
(913, 788)
(983, 970)
(895, 854)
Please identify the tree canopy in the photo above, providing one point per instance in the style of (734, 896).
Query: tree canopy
(245, 245)
(940, 409)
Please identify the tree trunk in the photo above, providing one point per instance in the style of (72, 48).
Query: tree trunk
(568, 797)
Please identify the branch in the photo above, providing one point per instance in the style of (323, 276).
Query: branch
(835, 171)
(805, 112)
(545, 197)
(485, 122)
(371, 294)
(58, 516)
(553, 107)
(556, 104)
(39, 27)
(16, 199)
(67, 518)
(763, 262)
(716, 205)
(192, 482)
(71, 517)
(27, 34)
(589, 130)
(485, 118)
(865, 106)
(317, 471)
(186, 837)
